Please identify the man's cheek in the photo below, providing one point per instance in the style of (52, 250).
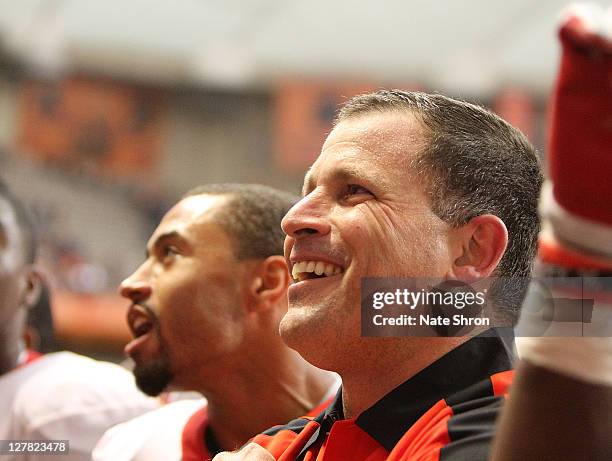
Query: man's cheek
(383, 226)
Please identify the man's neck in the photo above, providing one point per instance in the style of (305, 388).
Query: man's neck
(362, 390)
(274, 393)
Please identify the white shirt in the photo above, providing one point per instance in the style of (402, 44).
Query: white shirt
(156, 435)
(160, 435)
(65, 396)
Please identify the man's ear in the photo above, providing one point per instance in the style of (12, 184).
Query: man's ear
(483, 243)
(269, 284)
(33, 287)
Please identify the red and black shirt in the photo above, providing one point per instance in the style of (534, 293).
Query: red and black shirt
(446, 412)
(198, 442)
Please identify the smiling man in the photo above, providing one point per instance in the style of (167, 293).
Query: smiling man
(406, 185)
(204, 313)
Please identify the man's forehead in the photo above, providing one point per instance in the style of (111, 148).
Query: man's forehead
(10, 230)
(7, 212)
(191, 212)
(390, 139)
(8, 218)
(392, 128)
(198, 207)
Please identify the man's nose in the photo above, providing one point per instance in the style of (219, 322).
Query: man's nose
(135, 288)
(308, 216)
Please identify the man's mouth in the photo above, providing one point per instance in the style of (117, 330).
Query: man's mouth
(141, 327)
(307, 270)
(142, 321)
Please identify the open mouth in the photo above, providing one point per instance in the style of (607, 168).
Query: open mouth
(141, 327)
(142, 323)
(139, 322)
(308, 270)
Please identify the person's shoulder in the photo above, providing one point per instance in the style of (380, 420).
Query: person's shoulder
(177, 411)
(69, 377)
(65, 394)
(153, 435)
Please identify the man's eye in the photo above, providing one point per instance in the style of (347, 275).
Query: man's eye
(354, 189)
(169, 250)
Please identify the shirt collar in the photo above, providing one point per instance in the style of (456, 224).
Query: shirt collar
(473, 361)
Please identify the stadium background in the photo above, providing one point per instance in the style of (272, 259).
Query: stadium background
(110, 110)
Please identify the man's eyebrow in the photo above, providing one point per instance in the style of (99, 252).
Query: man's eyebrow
(161, 238)
(348, 172)
(342, 173)
(307, 180)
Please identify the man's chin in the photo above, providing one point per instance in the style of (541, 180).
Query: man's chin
(153, 377)
(300, 325)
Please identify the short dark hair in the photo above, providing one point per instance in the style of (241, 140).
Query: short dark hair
(25, 221)
(252, 217)
(474, 163)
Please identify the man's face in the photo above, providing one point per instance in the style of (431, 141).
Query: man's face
(363, 214)
(13, 268)
(187, 300)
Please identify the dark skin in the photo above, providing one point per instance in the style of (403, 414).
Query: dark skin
(582, 423)
(217, 321)
(18, 288)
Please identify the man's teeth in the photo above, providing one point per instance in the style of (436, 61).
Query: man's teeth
(141, 326)
(301, 269)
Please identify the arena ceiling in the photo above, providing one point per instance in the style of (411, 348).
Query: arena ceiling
(470, 46)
